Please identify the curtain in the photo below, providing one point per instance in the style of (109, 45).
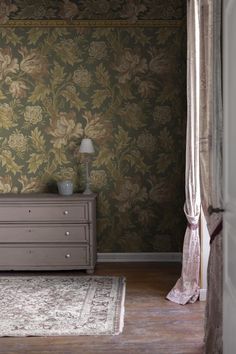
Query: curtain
(187, 287)
(203, 178)
(211, 132)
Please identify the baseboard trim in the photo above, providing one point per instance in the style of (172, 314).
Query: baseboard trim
(140, 257)
(203, 294)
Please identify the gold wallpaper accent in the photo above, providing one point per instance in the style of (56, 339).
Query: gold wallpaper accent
(92, 23)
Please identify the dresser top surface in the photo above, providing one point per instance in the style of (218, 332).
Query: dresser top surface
(45, 197)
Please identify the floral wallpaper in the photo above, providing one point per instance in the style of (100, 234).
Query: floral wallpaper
(132, 10)
(122, 87)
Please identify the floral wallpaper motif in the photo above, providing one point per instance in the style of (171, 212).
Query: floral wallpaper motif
(132, 10)
(122, 87)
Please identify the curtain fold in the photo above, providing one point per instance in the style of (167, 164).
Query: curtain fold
(211, 169)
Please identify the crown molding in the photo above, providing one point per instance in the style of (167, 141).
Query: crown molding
(92, 23)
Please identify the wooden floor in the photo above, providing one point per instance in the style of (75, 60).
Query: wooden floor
(153, 325)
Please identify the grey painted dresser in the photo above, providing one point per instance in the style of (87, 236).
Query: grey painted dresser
(47, 232)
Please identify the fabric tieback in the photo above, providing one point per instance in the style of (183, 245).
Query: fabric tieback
(217, 231)
(193, 226)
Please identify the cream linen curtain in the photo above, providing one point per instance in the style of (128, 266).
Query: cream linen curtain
(187, 287)
(203, 162)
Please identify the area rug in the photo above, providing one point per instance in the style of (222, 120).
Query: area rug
(59, 305)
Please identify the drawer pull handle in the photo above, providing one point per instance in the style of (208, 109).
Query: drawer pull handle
(67, 233)
(67, 255)
(66, 212)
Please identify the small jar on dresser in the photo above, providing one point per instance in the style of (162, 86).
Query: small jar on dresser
(48, 232)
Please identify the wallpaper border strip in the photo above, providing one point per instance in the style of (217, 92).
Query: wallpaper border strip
(92, 23)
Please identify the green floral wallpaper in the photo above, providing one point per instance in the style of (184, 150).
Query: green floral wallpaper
(92, 9)
(122, 87)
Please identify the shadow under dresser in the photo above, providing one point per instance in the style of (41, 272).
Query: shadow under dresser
(47, 232)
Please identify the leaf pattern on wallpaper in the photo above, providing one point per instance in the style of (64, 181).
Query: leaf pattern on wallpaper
(102, 75)
(59, 85)
(91, 9)
(8, 162)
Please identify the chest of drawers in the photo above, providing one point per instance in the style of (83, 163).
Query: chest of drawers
(47, 232)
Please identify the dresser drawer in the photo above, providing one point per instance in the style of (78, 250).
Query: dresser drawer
(46, 213)
(13, 256)
(44, 233)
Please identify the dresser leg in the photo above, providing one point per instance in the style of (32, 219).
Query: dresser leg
(89, 271)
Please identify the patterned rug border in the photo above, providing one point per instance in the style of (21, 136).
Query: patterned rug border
(119, 303)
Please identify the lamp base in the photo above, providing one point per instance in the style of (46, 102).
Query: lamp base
(87, 191)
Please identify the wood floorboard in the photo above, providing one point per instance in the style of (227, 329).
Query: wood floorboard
(153, 325)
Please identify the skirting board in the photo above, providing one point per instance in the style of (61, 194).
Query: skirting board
(203, 294)
(140, 257)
